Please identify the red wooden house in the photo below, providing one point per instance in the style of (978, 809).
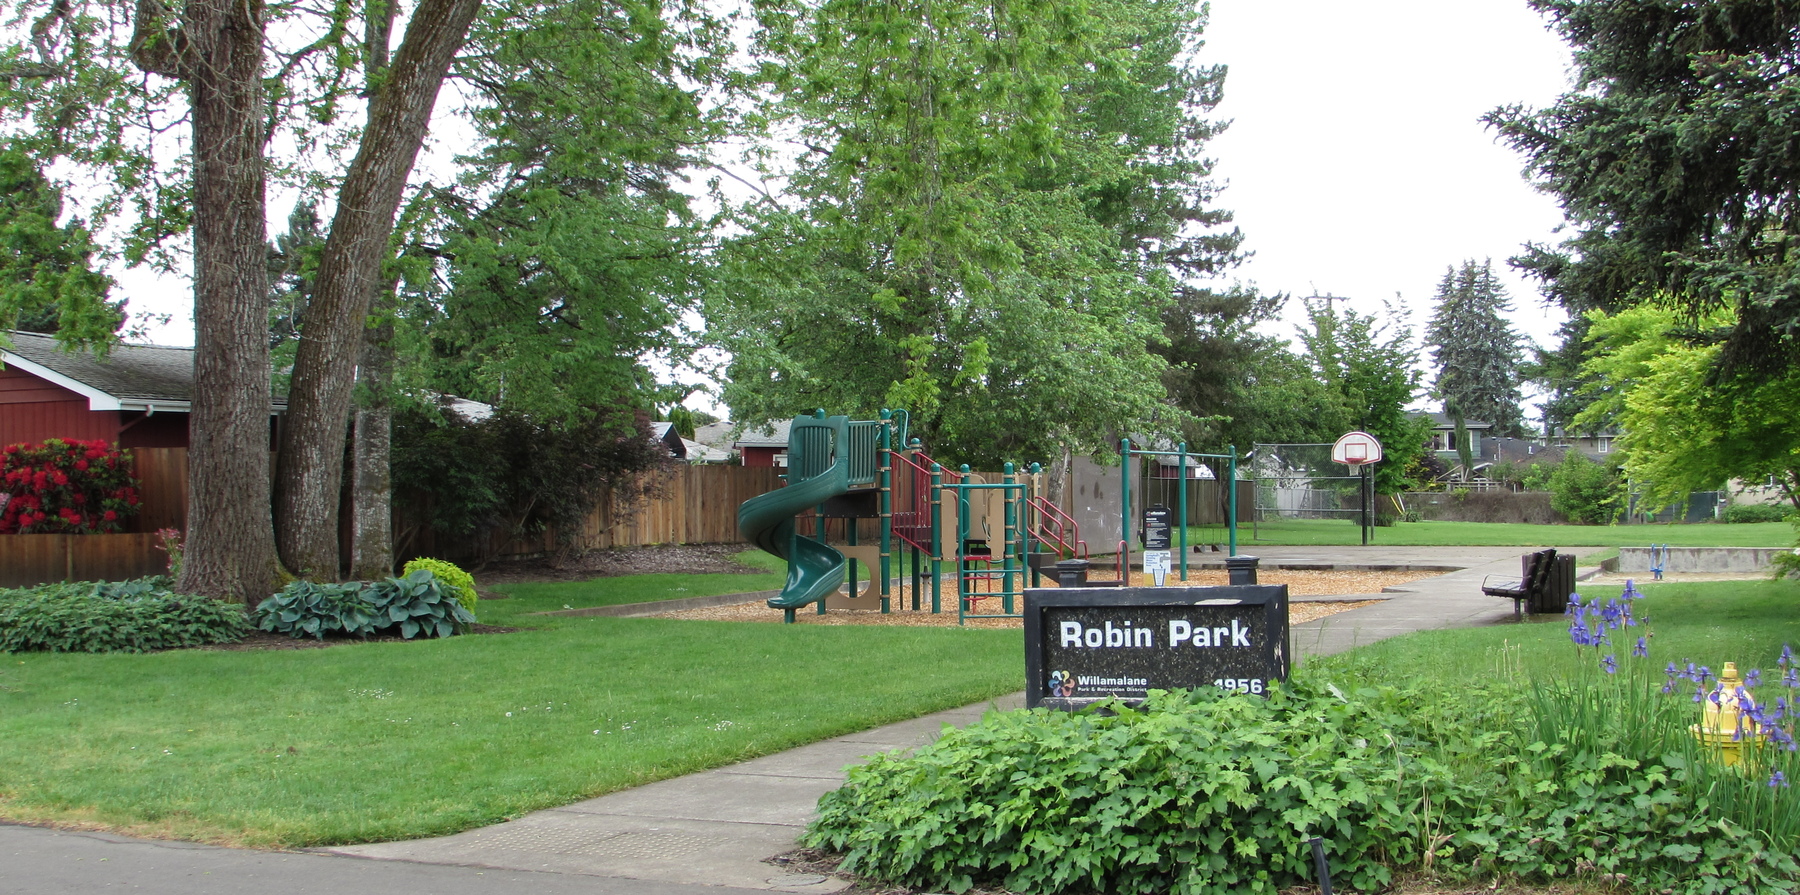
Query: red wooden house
(137, 396)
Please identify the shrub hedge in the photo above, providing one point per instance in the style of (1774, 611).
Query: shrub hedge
(100, 617)
(1207, 793)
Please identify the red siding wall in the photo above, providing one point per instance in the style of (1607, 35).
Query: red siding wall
(33, 410)
(762, 456)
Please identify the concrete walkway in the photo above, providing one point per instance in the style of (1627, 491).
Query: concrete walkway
(714, 829)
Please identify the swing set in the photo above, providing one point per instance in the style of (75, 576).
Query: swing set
(1212, 503)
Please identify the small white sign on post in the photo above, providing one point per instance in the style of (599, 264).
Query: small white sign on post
(1157, 564)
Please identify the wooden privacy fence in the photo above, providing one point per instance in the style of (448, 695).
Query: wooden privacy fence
(678, 505)
(28, 560)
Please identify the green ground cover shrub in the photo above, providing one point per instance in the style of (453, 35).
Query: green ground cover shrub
(415, 604)
(1581, 771)
(1749, 513)
(1198, 792)
(101, 617)
(460, 584)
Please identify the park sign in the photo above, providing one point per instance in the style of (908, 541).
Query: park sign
(1083, 645)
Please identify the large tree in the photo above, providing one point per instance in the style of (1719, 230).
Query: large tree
(240, 85)
(48, 283)
(983, 224)
(1372, 367)
(1683, 429)
(1476, 350)
(1241, 387)
(1675, 162)
(309, 475)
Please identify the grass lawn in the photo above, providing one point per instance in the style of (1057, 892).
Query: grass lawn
(378, 741)
(543, 596)
(1337, 532)
(1708, 623)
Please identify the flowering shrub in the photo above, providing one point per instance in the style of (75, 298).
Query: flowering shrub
(65, 487)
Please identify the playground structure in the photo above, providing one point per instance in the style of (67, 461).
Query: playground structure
(996, 537)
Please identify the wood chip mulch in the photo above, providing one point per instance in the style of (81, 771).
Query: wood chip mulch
(1299, 582)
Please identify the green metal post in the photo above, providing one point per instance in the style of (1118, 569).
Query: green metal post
(937, 540)
(962, 544)
(1125, 510)
(1010, 501)
(1032, 544)
(1231, 502)
(1181, 493)
(884, 447)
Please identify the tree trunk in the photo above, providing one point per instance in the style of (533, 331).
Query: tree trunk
(310, 474)
(230, 547)
(372, 535)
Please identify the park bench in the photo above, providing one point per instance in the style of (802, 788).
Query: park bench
(1529, 588)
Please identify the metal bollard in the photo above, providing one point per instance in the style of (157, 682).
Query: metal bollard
(1241, 569)
(1071, 573)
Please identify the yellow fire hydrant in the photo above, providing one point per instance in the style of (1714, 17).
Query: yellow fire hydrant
(1725, 722)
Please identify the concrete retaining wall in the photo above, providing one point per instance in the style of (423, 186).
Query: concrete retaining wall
(1701, 559)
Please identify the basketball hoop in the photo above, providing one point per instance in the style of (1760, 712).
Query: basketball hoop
(1356, 449)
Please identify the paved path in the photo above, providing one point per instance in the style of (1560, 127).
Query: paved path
(713, 829)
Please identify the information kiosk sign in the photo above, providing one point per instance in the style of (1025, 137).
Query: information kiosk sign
(1083, 645)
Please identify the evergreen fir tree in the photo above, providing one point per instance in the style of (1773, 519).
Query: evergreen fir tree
(48, 283)
(1476, 350)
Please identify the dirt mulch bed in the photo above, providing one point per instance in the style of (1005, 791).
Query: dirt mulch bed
(903, 616)
(1299, 582)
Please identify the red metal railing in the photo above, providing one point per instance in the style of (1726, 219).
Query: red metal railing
(912, 497)
(1050, 525)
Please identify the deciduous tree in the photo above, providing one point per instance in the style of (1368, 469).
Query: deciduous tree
(1372, 368)
(984, 225)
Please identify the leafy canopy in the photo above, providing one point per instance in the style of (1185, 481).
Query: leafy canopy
(1675, 163)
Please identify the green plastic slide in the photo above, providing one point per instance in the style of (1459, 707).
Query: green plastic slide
(815, 569)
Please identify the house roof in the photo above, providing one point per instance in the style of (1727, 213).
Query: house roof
(1440, 420)
(130, 377)
(772, 435)
(701, 453)
(716, 434)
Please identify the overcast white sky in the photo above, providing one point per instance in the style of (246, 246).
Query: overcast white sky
(1356, 161)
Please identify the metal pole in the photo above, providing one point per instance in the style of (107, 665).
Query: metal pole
(1125, 510)
(1008, 500)
(1366, 521)
(937, 541)
(1181, 495)
(962, 547)
(1231, 483)
(885, 451)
